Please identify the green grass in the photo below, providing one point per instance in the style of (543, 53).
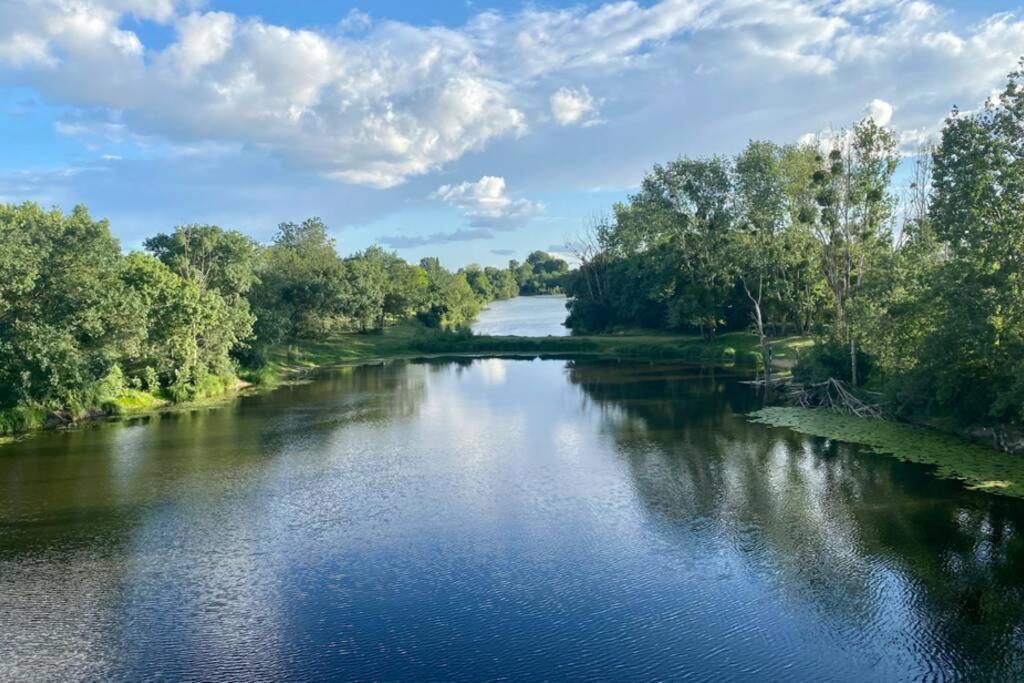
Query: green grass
(18, 420)
(411, 340)
(340, 349)
(133, 402)
(979, 467)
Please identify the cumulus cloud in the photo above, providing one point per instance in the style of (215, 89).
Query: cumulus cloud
(573, 106)
(486, 204)
(880, 111)
(398, 103)
(911, 140)
(379, 103)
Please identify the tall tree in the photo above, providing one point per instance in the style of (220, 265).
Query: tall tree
(757, 245)
(854, 221)
(974, 362)
(697, 195)
(302, 287)
(220, 263)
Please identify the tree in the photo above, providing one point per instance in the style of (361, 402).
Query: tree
(450, 302)
(694, 198)
(366, 276)
(757, 245)
(303, 287)
(213, 258)
(64, 318)
(542, 273)
(478, 281)
(502, 282)
(220, 263)
(407, 291)
(187, 333)
(972, 365)
(381, 286)
(853, 225)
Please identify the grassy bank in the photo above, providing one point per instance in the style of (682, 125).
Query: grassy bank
(978, 467)
(407, 341)
(412, 340)
(18, 422)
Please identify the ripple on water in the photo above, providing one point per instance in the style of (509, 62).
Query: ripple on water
(429, 522)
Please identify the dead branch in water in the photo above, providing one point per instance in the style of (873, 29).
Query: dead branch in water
(832, 394)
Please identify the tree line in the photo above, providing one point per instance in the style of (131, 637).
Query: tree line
(915, 292)
(82, 322)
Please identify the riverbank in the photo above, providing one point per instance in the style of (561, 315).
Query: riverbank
(954, 457)
(409, 341)
(286, 362)
(17, 423)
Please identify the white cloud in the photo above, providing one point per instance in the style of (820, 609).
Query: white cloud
(487, 205)
(880, 111)
(382, 102)
(355, 21)
(571, 106)
(202, 39)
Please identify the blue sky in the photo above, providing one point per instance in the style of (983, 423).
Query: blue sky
(475, 131)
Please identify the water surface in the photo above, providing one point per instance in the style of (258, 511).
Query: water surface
(524, 316)
(496, 518)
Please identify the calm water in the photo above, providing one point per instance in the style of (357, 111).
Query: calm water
(525, 519)
(524, 316)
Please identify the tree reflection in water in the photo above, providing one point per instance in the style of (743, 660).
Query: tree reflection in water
(850, 531)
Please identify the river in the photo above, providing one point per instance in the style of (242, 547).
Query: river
(528, 519)
(524, 316)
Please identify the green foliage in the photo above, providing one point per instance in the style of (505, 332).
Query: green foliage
(829, 358)
(542, 273)
(971, 364)
(478, 281)
(451, 301)
(503, 282)
(302, 285)
(21, 419)
(187, 333)
(706, 244)
(64, 317)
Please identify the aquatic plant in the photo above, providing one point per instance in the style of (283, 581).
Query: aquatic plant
(978, 467)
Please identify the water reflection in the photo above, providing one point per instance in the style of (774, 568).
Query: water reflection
(526, 519)
(876, 546)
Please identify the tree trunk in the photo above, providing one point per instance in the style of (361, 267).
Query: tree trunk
(853, 362)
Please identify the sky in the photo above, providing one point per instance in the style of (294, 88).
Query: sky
(474, 131)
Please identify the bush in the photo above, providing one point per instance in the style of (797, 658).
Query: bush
(261, 376)
(112, 408)
(830, 359)
(21, 419)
